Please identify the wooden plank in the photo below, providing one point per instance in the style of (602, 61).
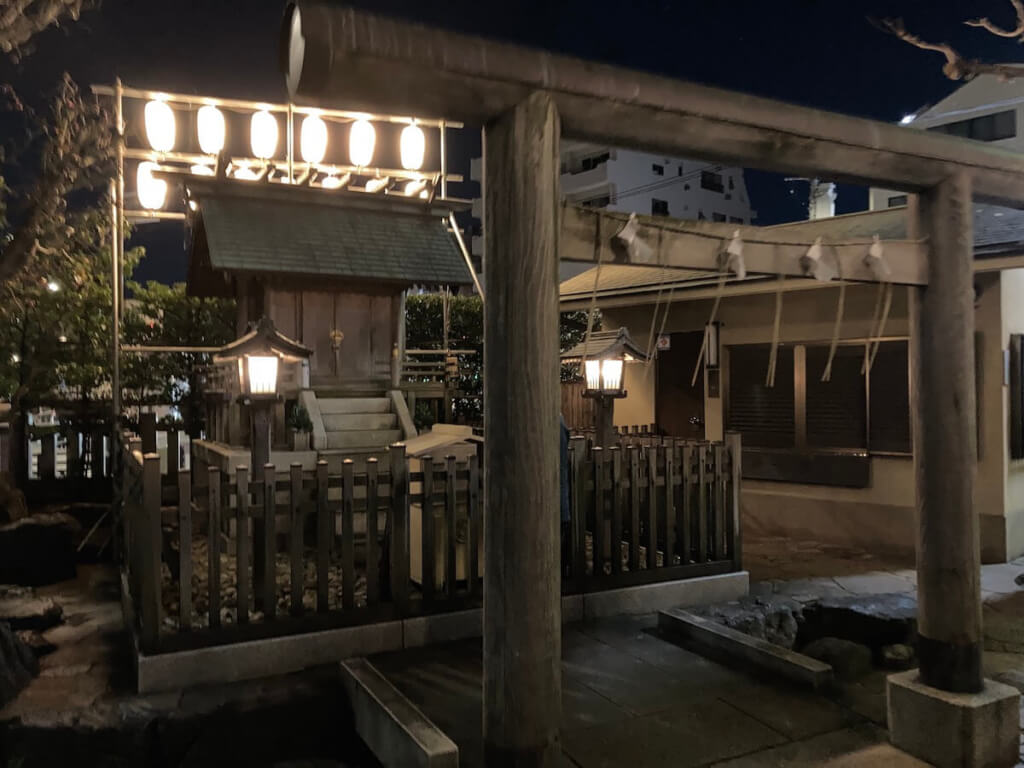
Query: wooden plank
(450, 525)
(151, 549)
(618, 493)
(324, 539)
(268, 549)
(697, 245)
(702, 504)
(597, 535)
(372, 540)
(173, 454)
(473, 530)
(633, 457)
(377, 63)
(147, 432)
(243, 544)
(213, 524)
(734, 444)
(398, 525)
(297, 585)
(651, 454)
(684, 453)
(427, 545)
(719, 491)
(673, 522)
(185, 549)
(348, 538)
(578, 508)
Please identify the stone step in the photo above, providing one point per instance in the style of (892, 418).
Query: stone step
(341, 422)
(354, 405)
(368, 439)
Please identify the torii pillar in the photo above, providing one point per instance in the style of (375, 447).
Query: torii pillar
(522, 589)
(946, 712)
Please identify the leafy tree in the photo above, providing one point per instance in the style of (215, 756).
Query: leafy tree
(21, 20)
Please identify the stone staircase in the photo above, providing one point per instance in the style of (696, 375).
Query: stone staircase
(359, 424)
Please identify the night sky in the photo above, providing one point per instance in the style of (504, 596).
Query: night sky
(821, 53)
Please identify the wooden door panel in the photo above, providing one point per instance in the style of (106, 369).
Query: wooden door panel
(679, 407)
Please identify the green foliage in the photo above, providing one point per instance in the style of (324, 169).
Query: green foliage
(572, 329)
(298, 419)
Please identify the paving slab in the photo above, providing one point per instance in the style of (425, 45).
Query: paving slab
(814, 751)
(792, 713)
(877, 582)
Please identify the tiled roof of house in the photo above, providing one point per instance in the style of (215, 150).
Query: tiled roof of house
(253, 234)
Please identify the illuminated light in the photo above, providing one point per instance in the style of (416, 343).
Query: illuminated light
(210, 126)
(424, 195)
(62, 339)
(415, 186)
(263, 134)
(593, 374)
(376, 185)
(413, 146)
(52, 286)
(262, 374)
(202, 170)
(361, 140)
(611, 373)
(15, 358)
(152, 191)
(244, 173)
(330, 181)
(193, 205)
(159, 119)
(907, 119)
(313, 139)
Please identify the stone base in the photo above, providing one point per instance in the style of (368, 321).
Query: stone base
(954, 729)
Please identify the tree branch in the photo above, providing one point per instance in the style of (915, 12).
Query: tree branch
(956, 67)
(989, 26)
(21, 20)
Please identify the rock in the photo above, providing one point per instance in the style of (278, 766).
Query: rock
(774, 618)
(872, 620)
(24, 611)
(898, 656)
(1019, 580)
(18, 664)
(40, 645)
(1013, 677)
(12, 500)
(38, 549)
(850, 661)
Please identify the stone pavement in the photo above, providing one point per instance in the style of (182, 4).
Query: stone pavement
(630, 698)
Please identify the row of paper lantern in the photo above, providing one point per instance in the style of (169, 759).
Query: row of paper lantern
(263, 136)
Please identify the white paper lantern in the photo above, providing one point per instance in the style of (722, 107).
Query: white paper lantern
(152, 191)
(263, 135)
(210, 126)
(413, 146)
(361, 139)
(313, 139)
(159, 125)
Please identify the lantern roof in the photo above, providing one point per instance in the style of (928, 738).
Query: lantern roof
(263, 339)
(606, 344)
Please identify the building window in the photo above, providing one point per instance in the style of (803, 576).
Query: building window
(680, 169)
(712, 181)
(701, 216)
(897, 200)
(659, 207)
(589, 163)
(597, 202)
(1001, 125)
(735, 219)
(686, 187)
(803, 413)
(732, 184)
(658, 169)
(718, 217)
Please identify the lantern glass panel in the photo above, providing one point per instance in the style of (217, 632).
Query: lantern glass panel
(262, 374)
(611, 374)
(593, 374)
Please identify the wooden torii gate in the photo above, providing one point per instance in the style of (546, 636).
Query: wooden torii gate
(526, 100)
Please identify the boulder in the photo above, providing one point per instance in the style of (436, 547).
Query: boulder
(40, 645)
(872, 620)
(850, 661)
(23, 610)
(774, 618)
(38, 549)
(12, 500)
(18, 664)
(898, 656)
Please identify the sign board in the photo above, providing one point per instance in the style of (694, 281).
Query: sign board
(664, 342)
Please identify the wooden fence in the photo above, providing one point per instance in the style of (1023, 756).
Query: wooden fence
(358, 548)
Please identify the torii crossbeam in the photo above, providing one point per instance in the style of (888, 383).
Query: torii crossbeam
(526, 100)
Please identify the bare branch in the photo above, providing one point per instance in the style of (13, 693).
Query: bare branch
(989, 26)
(21, 20)
(956, 67)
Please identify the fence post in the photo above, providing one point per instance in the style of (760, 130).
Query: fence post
(147, 431)
(269, 554)
(297, 585)
(185, 550)
(213, 545)
(73, 468)
(473, 527)
(451, 564)
(633, 454)
(242, 544)
(372, 542)
(577, 511)
(324, 538)
(651, 455)
(597, 539)
(719, 491)
(348, 537)
(618, 497)
(47, 457)
(96, 454)
(427, 550)
(173, 453)
(151, 552)
(398, 524)
(734, 442)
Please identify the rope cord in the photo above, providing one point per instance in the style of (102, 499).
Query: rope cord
(714, 314)
(881, 327)
(773, 358)
(827, 374)
(879, 295)
(593, 296)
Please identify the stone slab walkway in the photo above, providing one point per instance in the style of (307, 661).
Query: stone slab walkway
(633, 699)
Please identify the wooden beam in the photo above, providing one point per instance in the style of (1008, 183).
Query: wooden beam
(588, 234)
(340, 55)
(943, 397)
(522, 606)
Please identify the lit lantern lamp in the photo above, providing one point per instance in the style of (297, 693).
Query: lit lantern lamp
(313, 139)
(152, 192)
(259, 355)
(413, 145)
(263, 134)
(160, 129)
(603, 357)
(361, 139)
(210, 126)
